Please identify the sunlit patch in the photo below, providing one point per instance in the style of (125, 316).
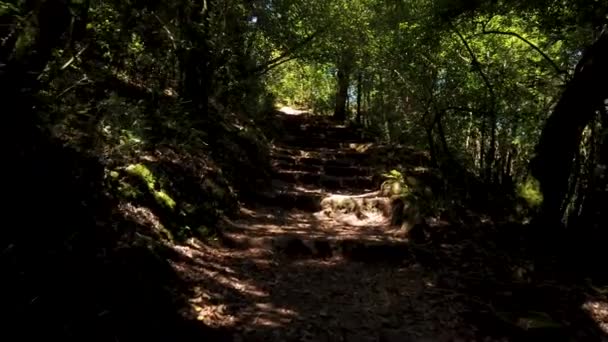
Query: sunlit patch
(598, 311)
(292, 111)
(271, 316)
(214, 315)
(361, 147)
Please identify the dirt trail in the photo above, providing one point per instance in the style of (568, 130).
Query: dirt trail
(305, 265)
(317, 259)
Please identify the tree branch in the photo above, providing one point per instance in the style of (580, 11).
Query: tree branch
(265, 67)
(169, 34)
(272, 66)
(513, 34)
(492, 149)
(475, 62)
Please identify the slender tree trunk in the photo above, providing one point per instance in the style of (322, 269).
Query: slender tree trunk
(482, 142)
(195, 63)
(491, 153)
(344, 70)
(341, 95)
(347, 107)
(368, 100)
(359, 90)
(432, 149)
(444, 142)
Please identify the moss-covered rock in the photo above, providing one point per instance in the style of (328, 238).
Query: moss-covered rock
(143, 173)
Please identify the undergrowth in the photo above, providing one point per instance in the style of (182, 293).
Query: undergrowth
(187, 171)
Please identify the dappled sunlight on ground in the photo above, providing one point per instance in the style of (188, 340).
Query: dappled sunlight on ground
(272, 223)
(317, 259)
(598, 311)
(328, 299)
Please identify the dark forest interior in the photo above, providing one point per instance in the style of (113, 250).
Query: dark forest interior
(290, 170)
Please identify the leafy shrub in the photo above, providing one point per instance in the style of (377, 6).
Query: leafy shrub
(395, 184)
(529, 190)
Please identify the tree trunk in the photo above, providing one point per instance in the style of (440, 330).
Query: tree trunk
(195, 62)
(368, 101)
(491, 153)
(359, 90)
(444, 142)
(341, 95)
(431, 142)
(561, 136)
(482, 142)
(344, 67)
(24, 62)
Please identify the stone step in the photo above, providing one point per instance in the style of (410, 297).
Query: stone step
(347, 158)
(289, 121)
(377, 155)
(333, 133)
(328, 182)
(352, 204)
(294, 166)
(350, 161)
(323, 157)
(347, 171)
(330, 170)
(306, 142)
(365, 251)
(306, 201)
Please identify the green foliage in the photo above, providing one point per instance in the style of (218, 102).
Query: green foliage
(488, 78)
(304, 85)
(143, 173)
(128, 191)
(8, 9)
(395, 184)
(184, 208)
(164, 199)
(529, 190)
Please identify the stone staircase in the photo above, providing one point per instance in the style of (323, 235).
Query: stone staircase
(324, 179)
(315, 158)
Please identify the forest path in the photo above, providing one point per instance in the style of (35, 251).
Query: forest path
(317, 258)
